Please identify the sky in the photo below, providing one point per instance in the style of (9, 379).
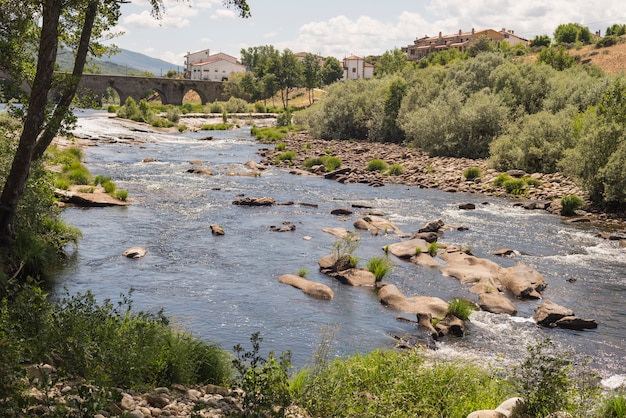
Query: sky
(341, 28)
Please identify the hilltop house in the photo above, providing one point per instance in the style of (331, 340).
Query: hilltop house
(422, 47)
(202, 65)
(355, 68)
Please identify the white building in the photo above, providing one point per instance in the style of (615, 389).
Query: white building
(202, 65)
(355, 68)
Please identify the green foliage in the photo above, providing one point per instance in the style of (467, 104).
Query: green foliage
(472, 173)
(235, 105)
(268, 133)
(121, 194)
(571, 33)
(331, 163)
(173, 114)
(607, 41)
(216, 127)
(499, 181)
(397, 384)
(380, 266)
(302, 272)
(461, 308)
(346, 244)
(284, 118)
(614, 406)
(540, 41)
(108, 186)
(395, 170)
(216, 107)
(433, 248)
(331, 71)
(265, 381)
(280, 146)
(105, 343)
(391, 62)
(616, 30)
(376, 165)
(549, 382)
(286, 156)
(556, 57)
(516, 187)
(571, 203)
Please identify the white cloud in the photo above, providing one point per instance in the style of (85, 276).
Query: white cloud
(223, 14)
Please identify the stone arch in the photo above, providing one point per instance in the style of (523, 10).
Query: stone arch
(199, 92)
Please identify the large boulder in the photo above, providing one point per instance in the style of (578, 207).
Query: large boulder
(407, 249)
(377, 225)
(356, 277)
(523, 281)
(390, 296)
(549, 312)
(511, 408)
(255, 201)
(337, 232)
(424, 259)
(135, 252)
(468, 268)
(313, 289)
(434, 226)
(575, 323)
(334, 262)
(496, 302)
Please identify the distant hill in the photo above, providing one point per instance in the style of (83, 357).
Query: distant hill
(124, 63)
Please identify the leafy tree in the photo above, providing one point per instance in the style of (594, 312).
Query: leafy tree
(74, 23)
(599, 156)
(391, 107)
(571, 33)
(312, 73)
(558, 58)
(289, 74)
(482, 44)
(391, 62)
(444, 57)
(540, 41)
(331, 71)
(616, 30)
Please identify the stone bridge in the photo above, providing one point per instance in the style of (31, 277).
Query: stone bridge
(170, 90)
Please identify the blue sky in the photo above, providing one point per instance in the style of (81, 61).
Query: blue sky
(342, 27)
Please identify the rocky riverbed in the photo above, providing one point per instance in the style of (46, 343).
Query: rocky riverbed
(421, 170)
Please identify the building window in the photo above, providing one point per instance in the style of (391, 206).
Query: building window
(354, 69)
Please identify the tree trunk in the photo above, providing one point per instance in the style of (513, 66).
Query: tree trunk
(35, 116)
(69, 92)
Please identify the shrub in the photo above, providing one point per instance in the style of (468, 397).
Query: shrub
(461, 308)
(62, 183)
(395, 170)
(216, 107)
(216, 127)
(161, 123)
(265, 381)
(571, 203)
(259, 107)
(302, 272)
(472, 173)
(79, 175)
(173, 114)
(614, 406)
(280, 146)
(433, 248)
(121, 194)
(108, 186)
(499, 181)
(516, 187)
(286, 156)
(380, 266)
(100, 179)
(376, 165)
(236, 105)
(531, 181)
(331, 163)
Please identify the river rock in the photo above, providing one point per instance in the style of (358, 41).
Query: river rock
(341, 212)
(407, 249)
(313, 289)
(433, 226)
(338, 232)
(97, 198)
(511, 408)
(504, 252)
(468, 268)
(424, 259)
(200, 170)
(496, 302)
(254, 166)
(255, 201)
(356, 277)
(135, 252)
(334, 262)
(429, 237)
(467, 206)
(451, 325)
(549, 312)
(217, 230)
(523, 281)
(377, 224)
(575, 323)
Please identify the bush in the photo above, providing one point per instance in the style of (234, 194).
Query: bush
(433, 248)
(331, 163)
(302, 272)
(236, 105)
(571, 203)
(395, 170)
(108, 186)
(376, 165)
(161, 123)
(614, 406)
(397, 384)
(121, 194)
(516, 187)
(472, 173)
(216, 107)
(461, 308)
(380, 266)
(216, 127)
(286, 156)
(499, 181)
(280, 146)
(173, 114)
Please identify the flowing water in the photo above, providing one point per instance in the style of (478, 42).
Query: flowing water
(224, 288)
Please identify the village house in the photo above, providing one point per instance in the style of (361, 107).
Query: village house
(202, 65)
(355, 68)
(422, 47)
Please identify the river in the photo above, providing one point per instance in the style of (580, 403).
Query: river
(224, 288)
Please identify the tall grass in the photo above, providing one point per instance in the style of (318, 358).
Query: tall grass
(380, 266)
